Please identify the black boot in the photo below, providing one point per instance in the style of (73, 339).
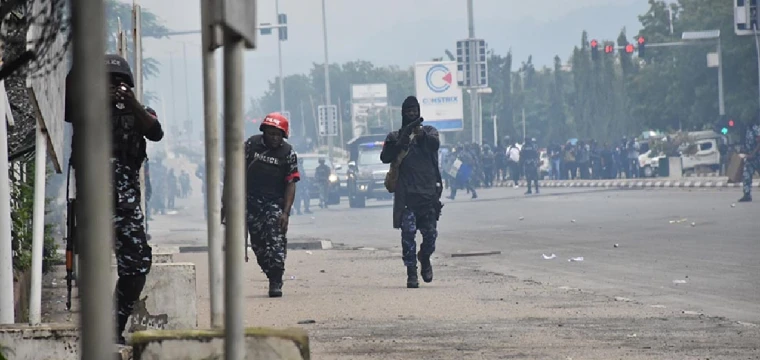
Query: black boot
(275, 284)
(426, 268)
(746, 198)
(411, 277)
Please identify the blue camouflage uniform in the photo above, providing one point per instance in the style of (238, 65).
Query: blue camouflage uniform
(753, 164)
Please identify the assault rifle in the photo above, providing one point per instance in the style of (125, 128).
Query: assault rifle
(71, 237)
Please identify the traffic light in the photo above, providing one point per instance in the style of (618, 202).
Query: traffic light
(609, 48)
(282, 19)
(641, 42)
(594, 50)
(629, 49)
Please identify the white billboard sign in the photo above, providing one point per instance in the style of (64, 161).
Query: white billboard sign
(379, 92)
(366, 98)
(441, 103)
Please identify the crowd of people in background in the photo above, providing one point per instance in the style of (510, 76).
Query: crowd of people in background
(486, 165)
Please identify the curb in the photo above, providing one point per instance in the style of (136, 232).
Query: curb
(308, 245)
(634, 184)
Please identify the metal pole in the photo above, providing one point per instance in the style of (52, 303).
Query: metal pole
(495, 131)
(721, 101)
(187, 88)
(175, 119)
(137, 41)
(470, 20)
(234, 200)
(523, 121)
(279, 55)
(93, 135)
(38, 230)
(327, 80)
(211, 131)
(757, 47)
(6, 250)
(473, 73)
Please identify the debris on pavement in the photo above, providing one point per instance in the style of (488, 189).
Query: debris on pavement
(622, 299)
(693, 224)
(481, 253)
(572, 221)
(304, 322)
(678, 221)
(521, 218)
(549, 257)
(733, 205)
(679, 281)
(576, 259)
(616, 245)
(309, 252)
(658, 306)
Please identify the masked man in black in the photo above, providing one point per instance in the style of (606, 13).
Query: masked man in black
(416, 204)
(132, 124)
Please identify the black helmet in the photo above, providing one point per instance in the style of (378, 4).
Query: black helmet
(321, 160)
(117, 65)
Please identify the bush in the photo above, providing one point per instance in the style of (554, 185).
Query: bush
(22, 199)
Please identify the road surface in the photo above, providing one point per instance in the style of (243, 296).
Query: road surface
(694, 249)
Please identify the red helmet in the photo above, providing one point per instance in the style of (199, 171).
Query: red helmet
(277, 121)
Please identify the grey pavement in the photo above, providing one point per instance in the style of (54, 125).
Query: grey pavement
(690, 249)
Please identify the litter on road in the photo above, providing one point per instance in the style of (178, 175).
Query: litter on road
(549, 257)
(575, 259)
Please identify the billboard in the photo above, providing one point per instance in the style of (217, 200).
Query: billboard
(441, 103)
(366, 101)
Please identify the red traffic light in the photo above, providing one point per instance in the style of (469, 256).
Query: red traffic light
(609, 49)
(594, 43)
(641, 40)
(629, 49)
(730, 123)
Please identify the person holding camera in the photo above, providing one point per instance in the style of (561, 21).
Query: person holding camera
(132, 124)
(413, 150)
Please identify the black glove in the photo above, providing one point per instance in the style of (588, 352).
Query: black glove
(407, 130)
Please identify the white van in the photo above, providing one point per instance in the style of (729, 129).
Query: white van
(702, 154)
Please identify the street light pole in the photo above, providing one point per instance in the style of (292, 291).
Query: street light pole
(721, 99)
(474, 96)
(327, 80)
(279, 55)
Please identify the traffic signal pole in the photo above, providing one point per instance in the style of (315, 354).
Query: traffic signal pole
(477, 130)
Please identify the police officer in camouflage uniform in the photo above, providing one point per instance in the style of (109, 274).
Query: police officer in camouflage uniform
(529, 157)
(416, 202)
(271, 176)
(751, 161)
(131, 126)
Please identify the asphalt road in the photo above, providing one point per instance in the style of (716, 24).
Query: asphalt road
(666, 237)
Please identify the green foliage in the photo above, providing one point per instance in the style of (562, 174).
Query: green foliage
(22, 195)
(5, 351)
(152, 26)
(669, 89)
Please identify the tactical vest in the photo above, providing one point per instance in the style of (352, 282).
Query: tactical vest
(128, 144)
(266, 169)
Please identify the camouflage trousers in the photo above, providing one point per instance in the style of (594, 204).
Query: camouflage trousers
(133, 254)
(426, 222)
(750, 166)
(267, 239)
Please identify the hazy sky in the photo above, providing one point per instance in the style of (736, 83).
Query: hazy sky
(385, 32)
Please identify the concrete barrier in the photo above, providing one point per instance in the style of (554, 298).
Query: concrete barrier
(168, 301)
(261, 344)
(158, 258)
(44, 342)
(653, 183)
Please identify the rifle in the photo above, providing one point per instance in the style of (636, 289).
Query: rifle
(71, 237)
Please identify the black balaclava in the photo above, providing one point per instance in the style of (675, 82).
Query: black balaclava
(409, 103)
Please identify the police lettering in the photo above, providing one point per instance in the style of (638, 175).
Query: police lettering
(266, 159)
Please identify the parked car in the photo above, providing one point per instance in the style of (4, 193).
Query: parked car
(310, 163)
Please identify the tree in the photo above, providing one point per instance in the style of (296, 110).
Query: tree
(151, 26)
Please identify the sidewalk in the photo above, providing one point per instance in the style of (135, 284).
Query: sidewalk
(361, 309)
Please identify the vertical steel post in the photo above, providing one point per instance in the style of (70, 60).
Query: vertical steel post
(721, 99)
(330, 139)
(211, 133)
(6, 249)
(38, 226)
(279, 56)
(93, 135)
(234, 196)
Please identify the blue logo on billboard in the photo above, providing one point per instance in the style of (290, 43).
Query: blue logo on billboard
(438, 78)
